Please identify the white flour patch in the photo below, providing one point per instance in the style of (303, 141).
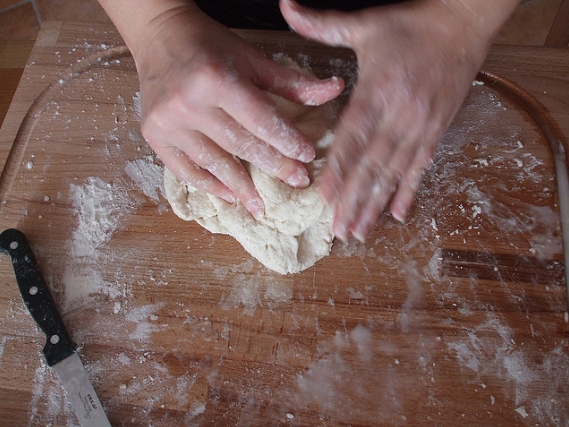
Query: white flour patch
(246, 291)
(143, 317)
(541, 223)
(99, 207)
(333, 385)
(40, 378)
(147, 176)
(47, 393)
(352, 248)
(490, 351)
(278, 292)
(81, 281)
(136, 106)
(244, 267)
(2, 345)
(251, 290)
(362, 338)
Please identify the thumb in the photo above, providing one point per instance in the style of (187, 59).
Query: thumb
(329, 27)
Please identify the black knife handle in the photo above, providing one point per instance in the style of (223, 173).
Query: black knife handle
(36, 296)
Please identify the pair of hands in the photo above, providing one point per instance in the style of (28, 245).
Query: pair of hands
(203, 102)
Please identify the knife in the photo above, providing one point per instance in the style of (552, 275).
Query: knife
(59, 351)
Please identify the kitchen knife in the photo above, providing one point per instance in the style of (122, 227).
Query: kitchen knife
(59, 350)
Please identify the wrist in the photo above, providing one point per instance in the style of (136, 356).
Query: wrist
(140, 27)
(466, 29)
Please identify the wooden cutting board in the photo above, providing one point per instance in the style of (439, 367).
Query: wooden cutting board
(457, 317)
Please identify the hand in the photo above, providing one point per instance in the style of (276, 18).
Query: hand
(416, 63)
(204, 107)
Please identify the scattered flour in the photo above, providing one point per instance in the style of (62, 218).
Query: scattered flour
(148, 176)
(136, 106)
(522, 411)
(99, 208)
(142, 317)
(81, 281)
(490, 351)
(334, 386)
(252, 290)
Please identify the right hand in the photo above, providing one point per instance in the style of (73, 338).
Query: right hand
(416, 62)
(204, 106)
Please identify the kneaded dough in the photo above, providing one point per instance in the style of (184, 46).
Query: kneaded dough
(296, 230)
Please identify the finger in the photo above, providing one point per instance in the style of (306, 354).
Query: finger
(370, 185)
(297, 86)
(399, 157)
(368, 189)
(258, 113)
(211, 157)
(329, 27)
(378, 195)
(181, 165)
(351, 140)
(330, 181)
(236, 140)
(410, 183)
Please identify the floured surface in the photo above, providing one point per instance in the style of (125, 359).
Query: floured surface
(181, 327)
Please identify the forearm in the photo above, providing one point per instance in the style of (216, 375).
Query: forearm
(487, 17)
(463, 30)
(135, 19)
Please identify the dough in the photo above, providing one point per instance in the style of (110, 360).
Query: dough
(296, 230)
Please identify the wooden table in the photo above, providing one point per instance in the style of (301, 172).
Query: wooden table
(13, 59)
(457, 317)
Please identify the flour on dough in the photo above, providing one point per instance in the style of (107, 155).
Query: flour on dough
(296, 230)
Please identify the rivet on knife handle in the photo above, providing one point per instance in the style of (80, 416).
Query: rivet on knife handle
(36, 296)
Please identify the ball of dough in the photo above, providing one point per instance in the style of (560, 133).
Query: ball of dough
(296, 230)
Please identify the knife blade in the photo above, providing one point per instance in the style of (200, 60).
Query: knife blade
(59, 351)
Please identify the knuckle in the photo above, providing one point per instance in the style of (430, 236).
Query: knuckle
(161, 112)
(247, 149)
(150, 133)
(289, 171)
(212, 75)
(198, 152)
(219, 166)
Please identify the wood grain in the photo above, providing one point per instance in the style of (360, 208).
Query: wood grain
(559, 33)
(13, 58)
(458, 316)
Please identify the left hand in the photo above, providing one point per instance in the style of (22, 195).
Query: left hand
(416, 63)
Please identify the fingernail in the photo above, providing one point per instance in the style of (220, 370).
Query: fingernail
(341, 232)
(399, 216)
(299, 180)
(228, 197)
(360, 231)
(360, 237)
(256, 207)
(307, 155)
